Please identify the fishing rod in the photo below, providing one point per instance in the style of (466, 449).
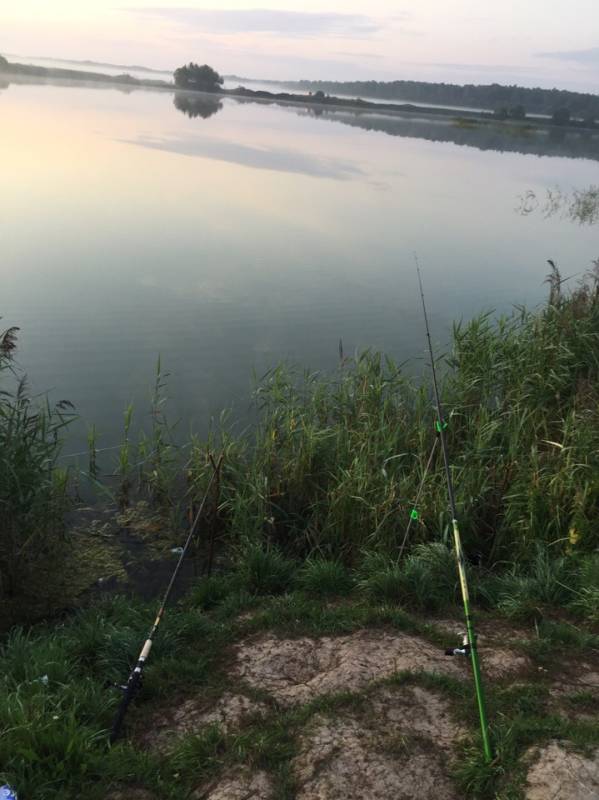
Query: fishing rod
(469, 647)
(133, 685)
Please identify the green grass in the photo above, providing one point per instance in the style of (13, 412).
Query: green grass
(324, 578)
(426, 580)
(56, 707)
(524, 591)
(264, 570)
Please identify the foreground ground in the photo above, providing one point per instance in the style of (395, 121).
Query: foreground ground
(299, 696)
(377, 712)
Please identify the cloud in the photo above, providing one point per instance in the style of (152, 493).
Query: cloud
(491, 68)
(589, 56)
(357, 54)
(258, 20)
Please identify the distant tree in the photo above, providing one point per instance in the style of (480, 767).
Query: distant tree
(125, 78)
(518, 112)
(501, 113)
(536, 101)
(561, 116)
(202, 79)
(3, 63)
(318, 96)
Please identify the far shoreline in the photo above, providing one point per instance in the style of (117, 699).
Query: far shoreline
(27, 74)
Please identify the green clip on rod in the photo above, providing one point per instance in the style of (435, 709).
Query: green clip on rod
(133, 684)
(469, 645)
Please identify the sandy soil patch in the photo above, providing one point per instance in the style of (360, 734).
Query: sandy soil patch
(498, 659)
(500, 662)
(130, 793)
(581, 677)
(577, 679)
(297, 670)
(247, 616)
(560, 774)
(416, 712)
(239, 784)
(192, 715)
(398, 747)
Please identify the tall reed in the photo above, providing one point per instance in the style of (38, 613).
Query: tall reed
(335, 461)
(33, 488)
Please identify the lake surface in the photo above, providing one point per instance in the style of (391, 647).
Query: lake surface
(251, 233)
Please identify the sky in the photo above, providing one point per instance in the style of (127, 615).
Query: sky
(531, 42)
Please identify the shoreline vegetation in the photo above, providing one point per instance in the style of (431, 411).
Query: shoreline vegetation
(510, 117)
(303, 613)
(333, 468)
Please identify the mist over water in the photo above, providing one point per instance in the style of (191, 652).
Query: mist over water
(136, 71)
(226, 236)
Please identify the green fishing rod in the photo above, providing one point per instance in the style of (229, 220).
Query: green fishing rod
(470, 646)
(133, 685)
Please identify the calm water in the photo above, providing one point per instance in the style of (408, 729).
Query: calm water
(252, 233)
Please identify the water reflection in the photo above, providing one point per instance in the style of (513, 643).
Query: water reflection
(525, 139)
(278, 159)
(202, 106)
(467, 132)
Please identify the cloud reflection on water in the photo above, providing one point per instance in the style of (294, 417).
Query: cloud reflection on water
(277, 159)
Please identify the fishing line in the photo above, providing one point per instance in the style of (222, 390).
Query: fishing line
(133, 684)
(414, 513)
(469, 647)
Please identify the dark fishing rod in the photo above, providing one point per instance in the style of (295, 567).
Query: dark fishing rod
(469, 646)
(133, 685)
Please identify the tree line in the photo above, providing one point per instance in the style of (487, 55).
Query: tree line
(515, 100)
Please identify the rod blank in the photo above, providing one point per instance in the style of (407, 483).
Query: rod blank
(457, 540)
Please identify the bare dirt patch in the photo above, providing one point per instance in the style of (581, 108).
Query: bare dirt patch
(298, 670)
(498, 659)
(575, 692)
(398, 747)
(561, 774)
(192, 715)
(239, 784)
(417, 712)
(130, 793)
(501, 662)
(247, 616)
(577, 677)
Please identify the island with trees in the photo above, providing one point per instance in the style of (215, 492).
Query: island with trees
(198, 78)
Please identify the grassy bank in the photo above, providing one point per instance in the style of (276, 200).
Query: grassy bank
(305, 527)
(55, 706)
